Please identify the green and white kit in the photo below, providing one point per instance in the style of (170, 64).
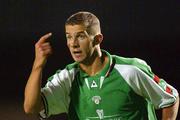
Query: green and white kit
(125, 89)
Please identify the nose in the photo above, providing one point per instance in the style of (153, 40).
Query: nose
(75, 43)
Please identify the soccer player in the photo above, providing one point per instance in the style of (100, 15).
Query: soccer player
(98, 85)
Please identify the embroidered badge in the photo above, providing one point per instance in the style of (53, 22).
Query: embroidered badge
(96, 99)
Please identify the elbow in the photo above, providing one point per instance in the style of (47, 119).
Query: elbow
(28, 109)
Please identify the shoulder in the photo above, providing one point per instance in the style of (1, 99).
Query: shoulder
(68, 72)
(72, 66)
(128, 60)
(133, 62)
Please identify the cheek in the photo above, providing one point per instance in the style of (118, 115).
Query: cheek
(68, 44)
(86, 44)
(88, 47)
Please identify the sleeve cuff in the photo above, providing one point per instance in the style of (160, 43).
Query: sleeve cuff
(44, 113)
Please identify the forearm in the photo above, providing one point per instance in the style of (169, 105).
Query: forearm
(32, 101)
(170, 113)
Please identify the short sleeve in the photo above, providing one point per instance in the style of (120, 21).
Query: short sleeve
(55, 94)
(154, 89)
(148, 85)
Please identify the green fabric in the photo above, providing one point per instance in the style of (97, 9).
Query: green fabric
(118, 100)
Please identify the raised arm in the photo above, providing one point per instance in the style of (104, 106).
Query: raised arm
(32, 101)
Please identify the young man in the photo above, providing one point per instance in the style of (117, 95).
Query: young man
(97, 85)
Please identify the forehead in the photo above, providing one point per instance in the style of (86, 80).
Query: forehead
(71, 29)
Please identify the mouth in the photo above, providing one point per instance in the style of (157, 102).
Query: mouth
(77, 53)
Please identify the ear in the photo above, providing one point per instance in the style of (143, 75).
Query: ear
(98, 39)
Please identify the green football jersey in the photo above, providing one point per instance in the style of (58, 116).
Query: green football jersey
(125, 89)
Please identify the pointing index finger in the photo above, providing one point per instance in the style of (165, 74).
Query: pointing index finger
(44, 38)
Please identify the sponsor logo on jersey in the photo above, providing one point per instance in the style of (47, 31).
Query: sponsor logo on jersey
(100, 113)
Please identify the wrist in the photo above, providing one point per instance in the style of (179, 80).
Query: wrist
(38, 65)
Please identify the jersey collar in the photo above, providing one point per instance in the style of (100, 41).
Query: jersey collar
(104, 72)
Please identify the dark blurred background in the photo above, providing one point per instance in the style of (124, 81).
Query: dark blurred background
(147, 29)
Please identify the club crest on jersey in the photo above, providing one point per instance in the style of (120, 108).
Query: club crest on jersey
(96, 99)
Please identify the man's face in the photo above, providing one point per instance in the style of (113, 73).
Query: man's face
(79, 42)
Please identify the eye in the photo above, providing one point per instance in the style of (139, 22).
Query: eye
(81, 36)
(68, 37)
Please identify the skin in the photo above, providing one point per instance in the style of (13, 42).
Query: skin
(85, 49)
(32, 100)
(170, 113)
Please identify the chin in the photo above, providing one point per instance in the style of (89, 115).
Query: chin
(77, 60)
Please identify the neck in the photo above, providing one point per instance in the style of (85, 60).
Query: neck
(96, 63)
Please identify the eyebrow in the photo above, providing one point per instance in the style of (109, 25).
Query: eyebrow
(77, 32)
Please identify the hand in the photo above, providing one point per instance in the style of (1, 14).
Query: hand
(43, 50)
